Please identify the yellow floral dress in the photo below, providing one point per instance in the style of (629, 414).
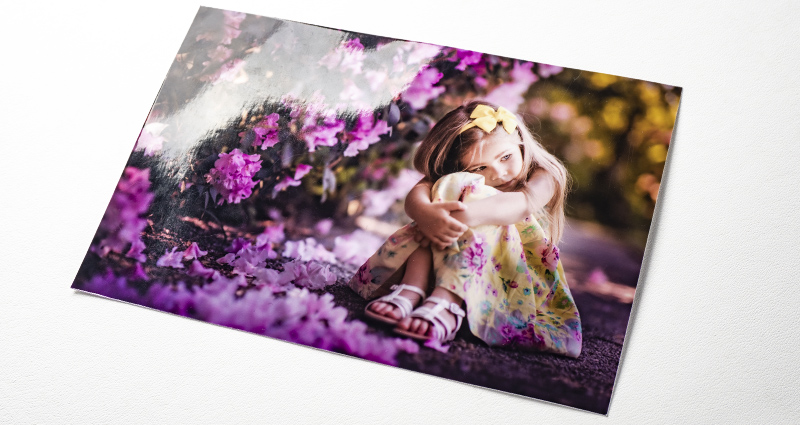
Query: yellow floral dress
(510, 277)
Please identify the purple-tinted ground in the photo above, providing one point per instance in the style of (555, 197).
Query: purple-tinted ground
(601, 272)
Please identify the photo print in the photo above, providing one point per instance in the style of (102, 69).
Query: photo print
(475, 217)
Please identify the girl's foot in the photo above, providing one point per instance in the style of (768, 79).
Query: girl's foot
(388, 308)
(422, 327)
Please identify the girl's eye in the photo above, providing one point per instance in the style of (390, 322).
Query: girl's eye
(505, 158)
(476, 170)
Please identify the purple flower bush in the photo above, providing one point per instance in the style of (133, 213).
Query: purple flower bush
(366, 133)
(232, 176)
(422, 90)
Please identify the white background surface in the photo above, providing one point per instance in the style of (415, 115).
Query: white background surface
(715, 326)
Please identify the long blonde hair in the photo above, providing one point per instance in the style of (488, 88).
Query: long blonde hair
(441, 150)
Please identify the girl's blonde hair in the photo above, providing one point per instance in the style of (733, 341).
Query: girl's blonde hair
(441, 150)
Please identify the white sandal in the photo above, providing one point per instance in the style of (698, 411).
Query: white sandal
(402, 303)
(438, 330)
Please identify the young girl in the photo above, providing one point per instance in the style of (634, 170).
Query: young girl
(486, 217)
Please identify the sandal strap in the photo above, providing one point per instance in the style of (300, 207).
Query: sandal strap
(443, 304)
(405, 287)
(433, 315)
(394, 298)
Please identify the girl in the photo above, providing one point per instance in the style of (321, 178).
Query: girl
(486, 217)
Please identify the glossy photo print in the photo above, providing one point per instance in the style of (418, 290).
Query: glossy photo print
(470, 216)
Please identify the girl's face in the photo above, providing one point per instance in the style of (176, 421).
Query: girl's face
(498, 158)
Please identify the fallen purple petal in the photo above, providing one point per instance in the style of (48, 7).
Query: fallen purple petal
(194, 251)
(136, 251)
(197, 269)
(171, 259)
(227, 259)
(271, 235)
(308, 250)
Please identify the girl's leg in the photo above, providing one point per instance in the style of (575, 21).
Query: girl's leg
(418, 268)
(422, 326)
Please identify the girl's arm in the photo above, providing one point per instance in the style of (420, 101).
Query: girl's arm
(509, 207)
(434, 220)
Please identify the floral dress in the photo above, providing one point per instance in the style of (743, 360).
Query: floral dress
(509, 277)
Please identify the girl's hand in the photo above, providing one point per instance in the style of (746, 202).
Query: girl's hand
(464, 217)
(437, 224)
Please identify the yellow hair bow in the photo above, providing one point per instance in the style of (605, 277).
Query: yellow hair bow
(486, 118)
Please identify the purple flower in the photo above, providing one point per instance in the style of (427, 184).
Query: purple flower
(177, 299)
(356, 247)
(266, 132)
(250, 259)
(227, 259)
(122, 223)
(421, 90)
(238, 244)
(220, 54)
(377, 203)
(233, 19)
(402, 184)
(229, 34)
(366, 132)
(232, 176)
(171, 259)
(321, 134)
(194, 251)
(308, 250)
(546, 70)
(137, 246)
(272, 277)
(284, 184)
(301, 171)
(466, 58)
(197, 269)
(312, 274)
(510, 94)
(272, 234)
(112, 286)
(299, 316)
(348, 56)
(323, 227)
(354, 44)
(421, 52)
